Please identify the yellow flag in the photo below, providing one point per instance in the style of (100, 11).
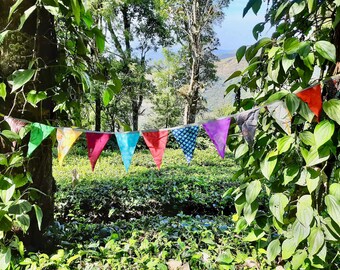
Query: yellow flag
(66, 138)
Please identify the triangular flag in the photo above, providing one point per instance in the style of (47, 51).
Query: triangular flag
(95, 145)
(15, 124)
(39, 132)
(281, 114)
(247, 121)
(312, 96)
(186, 137)
(66, 138)
(218, 133)
(127, 144)
(156, 141)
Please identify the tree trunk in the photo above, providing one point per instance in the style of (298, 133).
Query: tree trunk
(98, 113)
(36, 40)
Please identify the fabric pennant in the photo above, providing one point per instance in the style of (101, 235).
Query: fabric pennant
(127, 144)
(247, 121)
(186, 137)
(312, 96)
(156, 141)
(95, 145)
(218, 133)
(15, 124)
(66, 138)
(39, 132)
(281, 114)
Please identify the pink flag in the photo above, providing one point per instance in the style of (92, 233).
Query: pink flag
(15, 124)
(95, 145)
(218, 133)
(156, 141)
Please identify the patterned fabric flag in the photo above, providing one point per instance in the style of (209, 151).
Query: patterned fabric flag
(39, 132)
(281, 114)
(312, 96)
(247, 121)
(66, 138)
(186, 137)
(218, 133)
(156, 141)
(15, 124)
(127, 144)
(95, 145)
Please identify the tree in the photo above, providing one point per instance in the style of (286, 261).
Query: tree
(297, 166)
(42, 70)
(193, 25)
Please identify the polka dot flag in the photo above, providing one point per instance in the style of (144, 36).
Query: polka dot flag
(186, 137)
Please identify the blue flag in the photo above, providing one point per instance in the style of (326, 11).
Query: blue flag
(127, 144)
(186, 137)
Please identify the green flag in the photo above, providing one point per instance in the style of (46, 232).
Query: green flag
(39, 132)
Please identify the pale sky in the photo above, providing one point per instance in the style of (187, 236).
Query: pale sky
(235, 30)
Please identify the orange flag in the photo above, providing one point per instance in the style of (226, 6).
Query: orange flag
(156, 141)
(312, 96)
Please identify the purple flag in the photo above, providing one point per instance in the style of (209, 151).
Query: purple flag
(218, 133)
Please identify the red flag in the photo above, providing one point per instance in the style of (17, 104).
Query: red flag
(312, 96)
(95, 145)
(156, 141)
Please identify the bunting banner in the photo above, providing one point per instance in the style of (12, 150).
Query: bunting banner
(66, 137)
(312, 96)
(156, 141)
(127, 144)
(218, 133)
(186, 137)
(279, 111)
(95, 145)
(15, 124)
(247, 121)
(39, 132)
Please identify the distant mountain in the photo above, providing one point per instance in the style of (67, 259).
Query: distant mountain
(222, 54)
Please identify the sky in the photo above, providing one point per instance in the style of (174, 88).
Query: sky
(235, 30)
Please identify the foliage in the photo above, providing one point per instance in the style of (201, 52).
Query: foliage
(298, 171)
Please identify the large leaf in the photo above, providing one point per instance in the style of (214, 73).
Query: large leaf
(332, 109)
(290, 173)
(5, 258)
(315, 156)
(21, 207)
(297, 8)
(273, 249)
(291, 45)
(20, 78)
(304, 210)
(313, 179)
(298, 259)
(38, 215)
(107, 96)
(316, 240)
(284, 143)
(323, 132)
(14, 8)
(249, 211)
(7, 194)
(253, 191)
(288, 248)
(268, 164)
(26, 15)
(307, 138)
(3, 92)
(240, 53)
(333, 208)
(300, 232)
(254, 235)
(76, 11)
(34, 97)
(326, 50)
(24, 221)
(334, 190)
(277, 204)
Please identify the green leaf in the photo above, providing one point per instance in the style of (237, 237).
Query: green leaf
(273, 249)
(12, 136)
(332, 109)
(100, 39)
(240, 53)
(3, 35)
(253, 191)
(38, 215)
(313, 180)
(254, 235)
(254, 4)
(249, 211)
(291, 45)
(281, 9)
(276, 96)
(287, 62)
(331, 230)
(293, 103)
(298, 259)
(20, 78)
(333, 207)
(24, 221)
(326, 50)
(236, 74)
(268, 164)
(14, 8)
(107, 96)
(297, 8)
(315, 156)
(258, 29)
(304, 210)
(116, 85)
(277, 204)
(240, 201)
(26, 15)
(288, 248)
(241, 150)
(305, 112)
(76, 10)
(300, 232)
(284, 144)
(5, 223)
(34, 97)
(307, 138)
(3, 160)
(3, 92)
(225, 258)
(334, 190)
(316, 240)
(323, 132)
(7, 194)
(311, 5)
(5, 258)
(290, 173)
(21, 207)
